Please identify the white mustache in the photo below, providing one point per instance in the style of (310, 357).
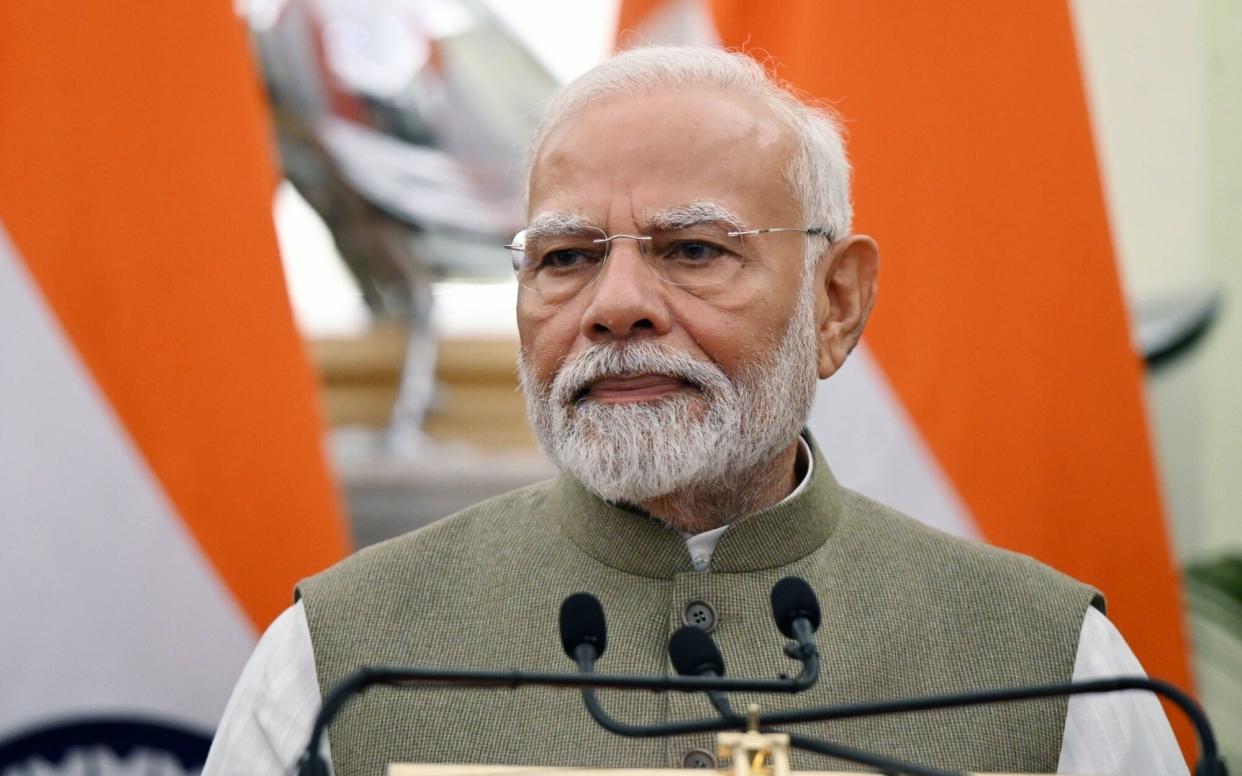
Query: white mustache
(606, 360)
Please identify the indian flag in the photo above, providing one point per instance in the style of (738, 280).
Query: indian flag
(162, 477)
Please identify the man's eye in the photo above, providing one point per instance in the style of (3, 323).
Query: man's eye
(568, 258)
(694, 252)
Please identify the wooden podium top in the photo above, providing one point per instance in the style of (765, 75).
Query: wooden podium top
(537, 770)
(751, 754)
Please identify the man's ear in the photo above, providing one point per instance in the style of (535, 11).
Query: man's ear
(845, 284)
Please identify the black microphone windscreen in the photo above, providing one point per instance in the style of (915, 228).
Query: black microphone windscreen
(792, 598)
(694, 653)
(582, 622)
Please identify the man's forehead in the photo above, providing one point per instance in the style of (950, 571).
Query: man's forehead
(648, 152)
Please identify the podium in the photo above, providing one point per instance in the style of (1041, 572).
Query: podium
(750, 754)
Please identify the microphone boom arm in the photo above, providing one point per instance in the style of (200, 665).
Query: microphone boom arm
(1210, 763)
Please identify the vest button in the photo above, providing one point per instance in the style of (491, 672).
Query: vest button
(698, 758)
(700, 614)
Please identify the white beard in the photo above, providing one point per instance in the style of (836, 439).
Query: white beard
(686, 442)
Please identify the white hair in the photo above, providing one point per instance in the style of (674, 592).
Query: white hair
(818, 175)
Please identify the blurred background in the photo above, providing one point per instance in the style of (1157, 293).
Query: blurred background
(303, 341)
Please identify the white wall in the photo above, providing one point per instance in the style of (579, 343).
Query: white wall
(1164, 82)
(1222, 395)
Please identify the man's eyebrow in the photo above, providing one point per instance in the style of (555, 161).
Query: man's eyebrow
(692, 214)
(555, 223)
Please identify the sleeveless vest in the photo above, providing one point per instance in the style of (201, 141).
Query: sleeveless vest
(907, 611)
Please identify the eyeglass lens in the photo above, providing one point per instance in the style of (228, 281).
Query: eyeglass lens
(700, 258)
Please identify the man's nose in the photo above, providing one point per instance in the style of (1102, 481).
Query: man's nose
(627, 298)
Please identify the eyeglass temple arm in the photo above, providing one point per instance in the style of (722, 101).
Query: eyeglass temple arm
(813, 230)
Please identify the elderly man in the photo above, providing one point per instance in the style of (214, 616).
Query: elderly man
(687, 275)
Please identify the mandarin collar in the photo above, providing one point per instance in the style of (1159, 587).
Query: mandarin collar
(633, 542)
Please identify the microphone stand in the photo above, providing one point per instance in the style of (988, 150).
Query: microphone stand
(1209, 764)
(732, 721)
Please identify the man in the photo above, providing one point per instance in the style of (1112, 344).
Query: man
(687, 274)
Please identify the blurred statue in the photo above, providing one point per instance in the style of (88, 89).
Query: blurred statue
(402, 123)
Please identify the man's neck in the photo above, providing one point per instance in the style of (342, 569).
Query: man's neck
(714, 504)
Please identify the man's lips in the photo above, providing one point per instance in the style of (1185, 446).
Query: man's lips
(634, 388)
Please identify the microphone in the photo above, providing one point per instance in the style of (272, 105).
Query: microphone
(796, 611)
(584, 633)
(694, 653)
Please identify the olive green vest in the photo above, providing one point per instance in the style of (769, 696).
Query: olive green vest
(907, 610)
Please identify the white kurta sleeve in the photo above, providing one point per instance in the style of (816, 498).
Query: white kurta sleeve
(1115, 733)
(268, 719)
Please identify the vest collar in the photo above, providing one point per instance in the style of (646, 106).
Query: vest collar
(635, 543)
